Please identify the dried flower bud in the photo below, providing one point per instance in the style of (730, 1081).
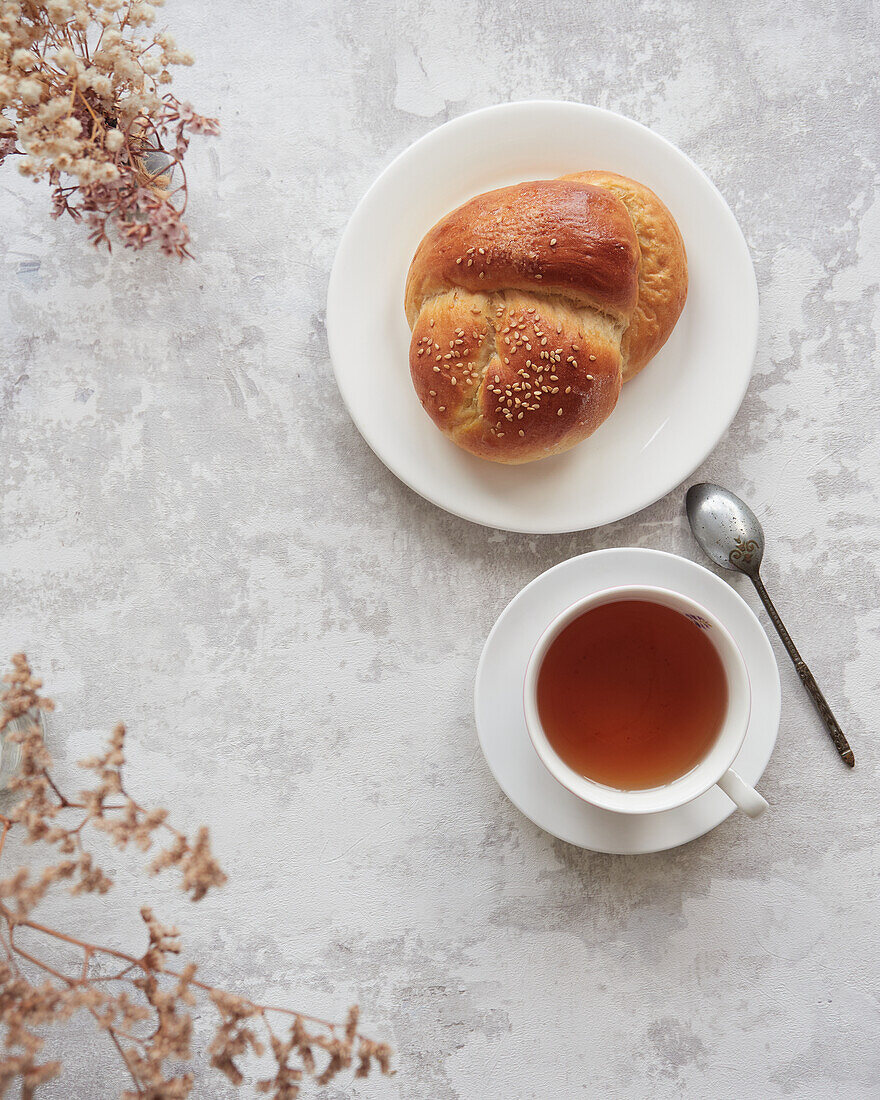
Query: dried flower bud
(30, 91)
(66, 59)
(96, 80)
(23, 59)
(60, 10)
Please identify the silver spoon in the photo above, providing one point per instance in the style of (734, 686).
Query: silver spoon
(729, 532)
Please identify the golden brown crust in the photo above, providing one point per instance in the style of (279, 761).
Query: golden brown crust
(511, 377)
(663, 273)
(549, 236)
(525, 302)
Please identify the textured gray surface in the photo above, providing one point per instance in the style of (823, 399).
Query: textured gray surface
(195, 537)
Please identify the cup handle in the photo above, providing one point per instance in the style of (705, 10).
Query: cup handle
(746, 798)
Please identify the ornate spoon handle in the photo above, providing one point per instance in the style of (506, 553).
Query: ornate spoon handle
(837, 735)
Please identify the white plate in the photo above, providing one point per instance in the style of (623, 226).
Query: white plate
(499, 705)
(667, 420)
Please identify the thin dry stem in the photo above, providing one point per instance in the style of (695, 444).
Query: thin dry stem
(154, 995)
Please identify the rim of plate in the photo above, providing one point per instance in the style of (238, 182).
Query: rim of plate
(423, 144)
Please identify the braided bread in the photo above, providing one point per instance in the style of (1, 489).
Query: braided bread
(530, 306)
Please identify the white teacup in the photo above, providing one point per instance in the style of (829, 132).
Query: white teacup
(714, 768)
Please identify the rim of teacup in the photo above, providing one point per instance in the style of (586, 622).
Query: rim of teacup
(703, 775)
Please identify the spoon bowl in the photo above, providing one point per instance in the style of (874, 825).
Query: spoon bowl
(726, 527)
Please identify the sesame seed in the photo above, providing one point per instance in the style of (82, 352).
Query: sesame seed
(441, 408)
(432, 393)
(589, 377)
(568, 389)
(539, 276)
(436, 370)
(482, 251)
(432, 322)
(521, 432)
(592, 358)
(552, 242)
(559, 412)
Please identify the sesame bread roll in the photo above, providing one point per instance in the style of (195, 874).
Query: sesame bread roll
(519, 302)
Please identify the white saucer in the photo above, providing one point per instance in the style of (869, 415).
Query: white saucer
(499, 706)
(667, 420)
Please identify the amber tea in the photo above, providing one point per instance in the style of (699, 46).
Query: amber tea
(632, 694)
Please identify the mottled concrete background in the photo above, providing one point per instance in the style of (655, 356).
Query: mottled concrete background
(195, 538)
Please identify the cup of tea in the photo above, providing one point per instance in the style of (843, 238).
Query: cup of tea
(637, 700)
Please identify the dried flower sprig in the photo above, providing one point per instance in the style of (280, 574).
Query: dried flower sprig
(81, 103)
(146, 1016)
